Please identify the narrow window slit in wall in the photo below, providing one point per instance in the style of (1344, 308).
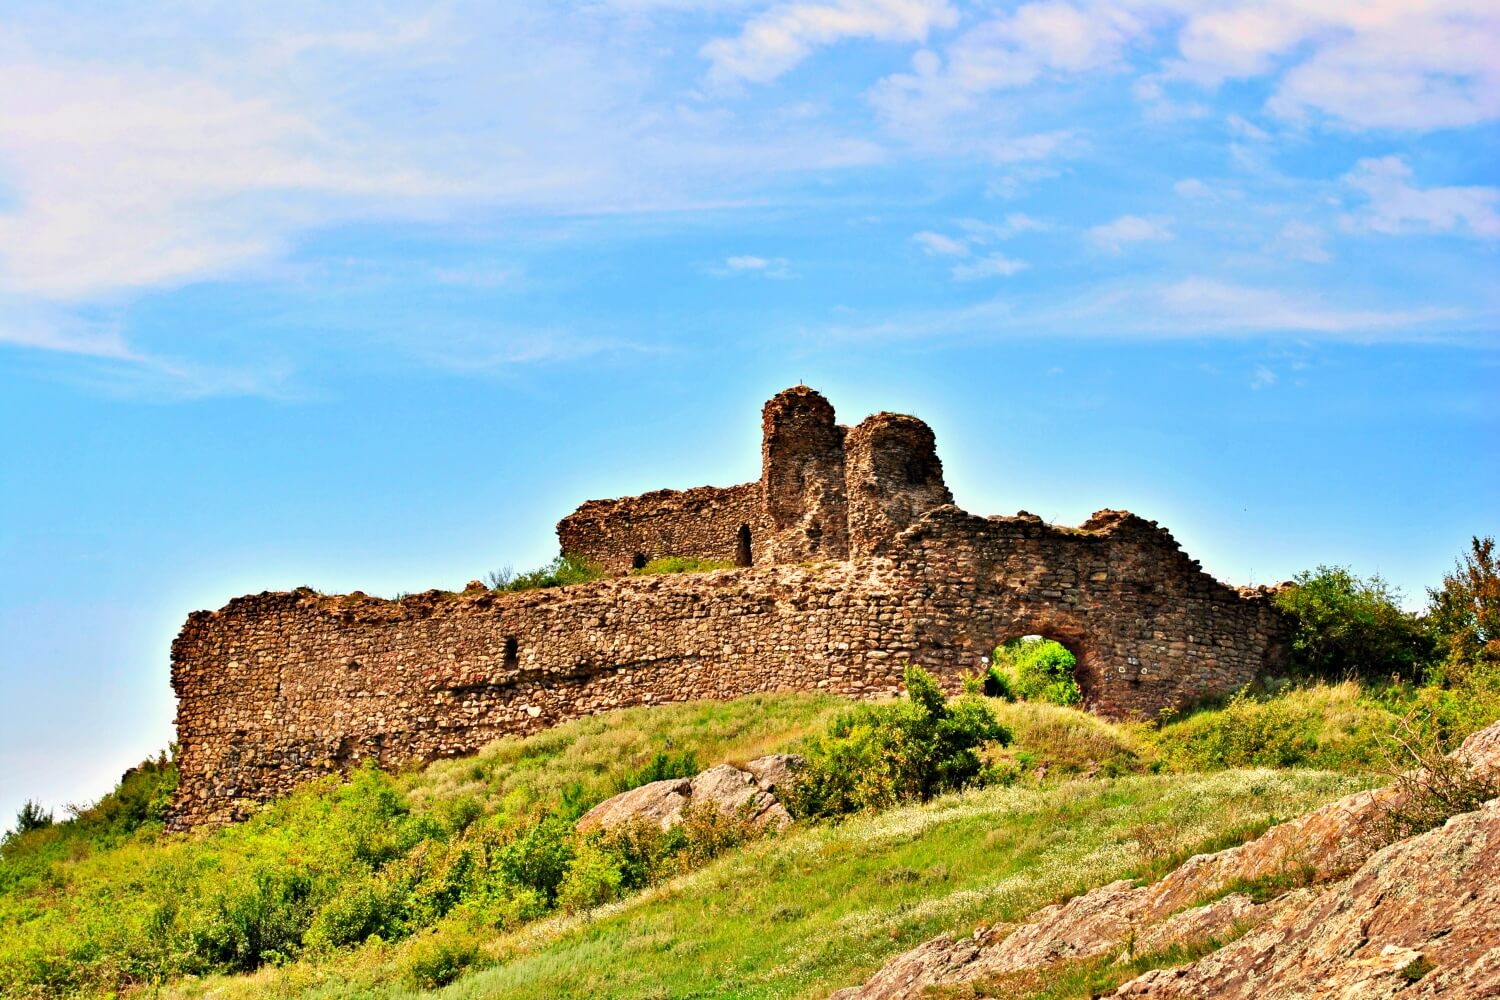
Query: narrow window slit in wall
(742, 546)
(638, 561)
(512, 651)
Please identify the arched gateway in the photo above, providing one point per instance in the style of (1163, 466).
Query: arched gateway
(852, 562)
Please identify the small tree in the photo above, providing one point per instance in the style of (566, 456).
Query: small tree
(32, 816)
(1346, 625)
(1464, 613)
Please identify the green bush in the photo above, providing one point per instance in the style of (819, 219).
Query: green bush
(1350, 626)
(562, 571)
(1034, 670)
(1463, 615)
(437, 961)
(594, 878)
(876, 756)
(256, 920)
(539, 858)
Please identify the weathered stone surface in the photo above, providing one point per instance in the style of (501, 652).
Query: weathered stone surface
(279, 687)
(776, 771)
(1431, 900)
(1326, 844)
(660, 803)
(735, 792)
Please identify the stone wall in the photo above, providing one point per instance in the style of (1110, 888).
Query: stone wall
(279, 687)
(707, 522)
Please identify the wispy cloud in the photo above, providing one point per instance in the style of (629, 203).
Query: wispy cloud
(1113, 237)
(940, 245)
(1395, 205)
(775, 41)
(993, 265)
(766, 267)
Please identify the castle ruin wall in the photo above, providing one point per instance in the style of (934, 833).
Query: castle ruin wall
(277, 688)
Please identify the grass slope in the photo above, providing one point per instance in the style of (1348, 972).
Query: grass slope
(822, 907)
(107, 901)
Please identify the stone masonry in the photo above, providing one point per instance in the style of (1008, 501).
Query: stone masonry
(853, 563)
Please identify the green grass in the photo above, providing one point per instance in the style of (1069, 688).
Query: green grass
(823, 907)
(102, 903)
(682, 564)
(108, 901)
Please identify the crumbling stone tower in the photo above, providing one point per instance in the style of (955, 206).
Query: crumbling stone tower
(851, 562)
(826, 492)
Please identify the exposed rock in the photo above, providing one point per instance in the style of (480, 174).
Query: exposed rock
(776, 771)
(660, 802)
(1324, 845)
(744, 794)
(1420, 919)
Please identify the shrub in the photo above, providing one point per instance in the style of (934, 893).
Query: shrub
(437, 960)
(1463, 614)
(682, 564)
(705, 832)
(256, 920)
(593, 879)
(31, 816)
(875, 756)
(560, 572)
(1034, 670)
(1348, 626)
(539, 858)
(1246, 732)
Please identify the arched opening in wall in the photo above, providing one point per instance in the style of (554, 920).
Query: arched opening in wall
(1039, 667)
(512, 651)
(742, 555)
(638, 561)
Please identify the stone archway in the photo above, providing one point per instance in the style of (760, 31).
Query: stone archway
(1085, 666)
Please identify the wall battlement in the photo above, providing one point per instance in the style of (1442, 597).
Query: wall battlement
(856, 564)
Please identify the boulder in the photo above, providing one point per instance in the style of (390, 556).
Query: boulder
(749, 794)
(659, 803)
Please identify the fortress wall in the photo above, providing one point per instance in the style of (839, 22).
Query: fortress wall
(1150, 628)
(277, 688)
(704, 522)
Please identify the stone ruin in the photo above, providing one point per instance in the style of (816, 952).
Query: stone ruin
(851, 562)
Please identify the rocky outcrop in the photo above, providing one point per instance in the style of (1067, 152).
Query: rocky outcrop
(1419, 919)
(748, 794)
(1419, 893)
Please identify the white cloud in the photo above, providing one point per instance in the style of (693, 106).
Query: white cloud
(1262, 378)
(1191, 187)
(129, 178)
(1303, 241)
(1005, 52)
(35, 330)
(940, 245)
(776, 40)
(1395, 205)
(770, 267)
(979, 233)
(1410, 64)
(1113, 237)
(1208, 305)
(990, 266)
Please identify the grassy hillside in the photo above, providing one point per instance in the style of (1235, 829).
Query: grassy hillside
(386, 882)
(822, 907)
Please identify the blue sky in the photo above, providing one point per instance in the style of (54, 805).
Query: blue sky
(369, 300)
